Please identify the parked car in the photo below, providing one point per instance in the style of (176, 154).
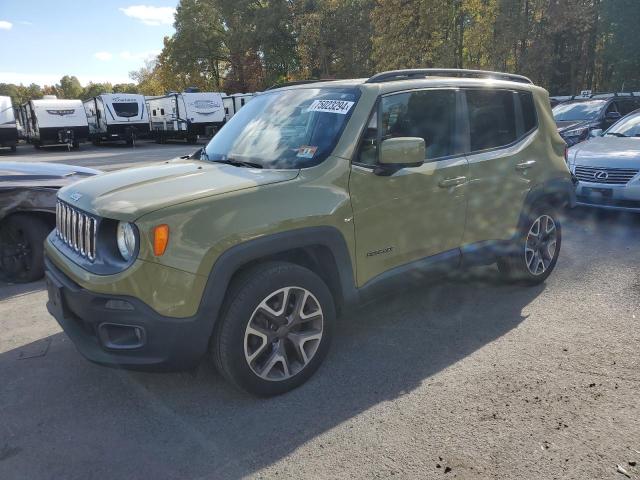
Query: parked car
(27, 214)
(607, 167)
(343, 191)
(577, 117)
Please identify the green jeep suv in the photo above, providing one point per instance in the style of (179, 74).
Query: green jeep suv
(313, 198)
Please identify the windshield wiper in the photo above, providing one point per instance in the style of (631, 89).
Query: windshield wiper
(617, 134)
(238, 163)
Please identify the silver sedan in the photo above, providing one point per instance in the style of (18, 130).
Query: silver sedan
(608, 167)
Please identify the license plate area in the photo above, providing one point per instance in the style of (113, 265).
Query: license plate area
(595, 193)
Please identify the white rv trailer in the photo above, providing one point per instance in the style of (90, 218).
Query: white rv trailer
(117, 116)
(8, 127)
(54, 121)
(233, 103)
(185, 115)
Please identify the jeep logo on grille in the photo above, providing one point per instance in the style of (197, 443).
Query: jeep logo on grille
(75, 196)
(601, 175)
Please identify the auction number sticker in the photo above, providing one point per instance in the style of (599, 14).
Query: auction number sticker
(331, 106)
(306, 151)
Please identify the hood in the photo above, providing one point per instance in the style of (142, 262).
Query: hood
(23, 174)
(128, 194)
(571, 124)
(609, 151)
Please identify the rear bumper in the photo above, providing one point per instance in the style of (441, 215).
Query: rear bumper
(122, 331)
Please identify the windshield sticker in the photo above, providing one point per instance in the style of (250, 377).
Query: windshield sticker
(306, 151)
(331, 106)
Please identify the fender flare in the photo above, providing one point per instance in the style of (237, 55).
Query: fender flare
(560, 189)
(240, 255)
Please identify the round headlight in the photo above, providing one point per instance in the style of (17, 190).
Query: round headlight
(126, 240)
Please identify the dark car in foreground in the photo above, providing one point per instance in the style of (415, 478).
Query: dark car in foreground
(27, 214)
(579, 116)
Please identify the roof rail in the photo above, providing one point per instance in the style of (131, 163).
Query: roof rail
(444, 72)
(296, 82)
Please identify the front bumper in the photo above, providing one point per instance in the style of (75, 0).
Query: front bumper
(608, 196)
(122, 331)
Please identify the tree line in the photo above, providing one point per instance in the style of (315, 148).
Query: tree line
(247, 45)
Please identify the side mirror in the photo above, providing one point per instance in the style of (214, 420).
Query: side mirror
(613, 116)
(596, 132)
(401, 152)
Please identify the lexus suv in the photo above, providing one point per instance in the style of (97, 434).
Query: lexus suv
(311, 199)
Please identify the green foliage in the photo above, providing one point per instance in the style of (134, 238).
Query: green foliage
(247, 45)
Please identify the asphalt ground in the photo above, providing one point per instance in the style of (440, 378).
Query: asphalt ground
(463, 377)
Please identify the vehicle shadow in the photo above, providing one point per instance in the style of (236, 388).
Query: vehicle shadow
(10, 290)
(66, 418)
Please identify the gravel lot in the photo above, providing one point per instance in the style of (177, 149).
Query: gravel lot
(463, 378)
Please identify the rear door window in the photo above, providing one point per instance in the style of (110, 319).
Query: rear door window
(492, 122)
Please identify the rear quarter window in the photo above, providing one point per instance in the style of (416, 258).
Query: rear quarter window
(529, 118)
(491, 119)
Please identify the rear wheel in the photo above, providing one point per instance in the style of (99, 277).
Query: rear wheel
(22, 248)
(275, 328)
(536, 251)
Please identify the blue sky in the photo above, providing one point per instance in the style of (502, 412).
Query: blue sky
(42, 40)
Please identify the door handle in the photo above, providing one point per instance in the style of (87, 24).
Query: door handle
(525, 165)
(452, 182)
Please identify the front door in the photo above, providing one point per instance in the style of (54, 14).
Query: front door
(416, 212)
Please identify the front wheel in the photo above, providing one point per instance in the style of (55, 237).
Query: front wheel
(537, 249)
(275, 328)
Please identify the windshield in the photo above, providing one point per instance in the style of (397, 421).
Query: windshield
(627, 127)
(126, 109)
(573, 111)
(285, 129)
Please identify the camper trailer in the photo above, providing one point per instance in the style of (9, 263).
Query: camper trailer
(185, 115)
(8, 127)
(117, 116)
(54, 121)
(235, 102)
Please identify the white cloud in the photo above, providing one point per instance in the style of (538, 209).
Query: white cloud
(150, 15)
(140, 56)
(4, 25)
(103, 56)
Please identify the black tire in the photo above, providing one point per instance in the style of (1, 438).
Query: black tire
(95, 141)
(37, 145)
(515, 267)
(22, 239)
(243, 298)
(14, 148)
(192, 139)
(75, 145)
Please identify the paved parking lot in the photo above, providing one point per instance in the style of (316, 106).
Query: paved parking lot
(464, 377)
(104, 157)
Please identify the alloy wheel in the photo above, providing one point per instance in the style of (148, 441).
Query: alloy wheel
(540, 245)
(283, 334)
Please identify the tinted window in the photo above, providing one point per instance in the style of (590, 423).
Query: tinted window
(428, 114)
(578, 110)
(529, 119)
(126, 109)
(491, 118)
(368, 152)
(626, 106)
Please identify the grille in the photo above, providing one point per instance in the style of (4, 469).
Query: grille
(77, 230)
(613, 176)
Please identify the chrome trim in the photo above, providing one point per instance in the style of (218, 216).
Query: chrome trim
(77, 230)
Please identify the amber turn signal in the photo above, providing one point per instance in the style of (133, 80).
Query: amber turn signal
(160, 239)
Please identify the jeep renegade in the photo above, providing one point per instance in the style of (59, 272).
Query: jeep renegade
(312, 198)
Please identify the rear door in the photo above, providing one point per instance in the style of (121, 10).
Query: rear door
(504, 161)
(416, 212)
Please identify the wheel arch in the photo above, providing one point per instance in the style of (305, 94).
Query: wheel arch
(558, 192)
(321, 249)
